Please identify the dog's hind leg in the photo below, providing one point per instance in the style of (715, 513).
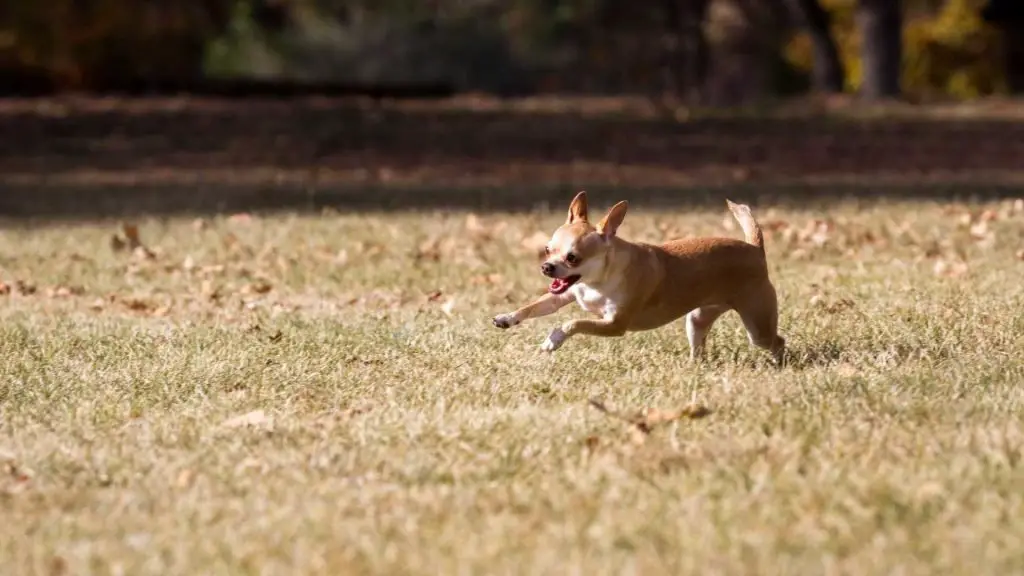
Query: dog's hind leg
(760, 314)
(698, 324)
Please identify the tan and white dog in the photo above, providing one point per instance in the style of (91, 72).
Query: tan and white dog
(634, 286)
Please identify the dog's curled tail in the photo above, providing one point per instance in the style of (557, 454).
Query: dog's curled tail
(751, 229)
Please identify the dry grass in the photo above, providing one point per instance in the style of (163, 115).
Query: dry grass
(326, 395)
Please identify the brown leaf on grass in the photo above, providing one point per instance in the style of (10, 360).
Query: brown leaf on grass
(434, 296)
(131, 234)
(137, 305)
(256, 418)
(257, 287)
(950, 268)
(230, 241)
(210, 291)
(184, 479)
(132, 241)
(448, 307)
(818, 232)
(275, 337)
(429, 249)
(62, 291)
(5, 289)
(24, 288)
(641, 423)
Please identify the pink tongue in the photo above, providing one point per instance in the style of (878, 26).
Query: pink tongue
(557, 284)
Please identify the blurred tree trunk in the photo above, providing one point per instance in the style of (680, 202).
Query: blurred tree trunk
(881, 27)
(829, 74)
(1008, 16)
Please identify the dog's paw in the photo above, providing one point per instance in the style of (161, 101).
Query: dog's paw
(504, 321)
(553, 341)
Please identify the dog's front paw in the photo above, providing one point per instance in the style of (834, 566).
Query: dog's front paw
(554, 340)
(505, 321)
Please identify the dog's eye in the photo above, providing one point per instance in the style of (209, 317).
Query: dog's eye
(547, 251)
(572, 258)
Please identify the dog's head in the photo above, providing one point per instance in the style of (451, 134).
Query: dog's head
(578, 250)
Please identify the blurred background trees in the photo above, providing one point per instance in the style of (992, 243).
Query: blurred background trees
(716, 52)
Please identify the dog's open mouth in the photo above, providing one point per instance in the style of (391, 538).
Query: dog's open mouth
(560, 285)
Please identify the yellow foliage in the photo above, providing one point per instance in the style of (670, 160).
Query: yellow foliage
(951, 53)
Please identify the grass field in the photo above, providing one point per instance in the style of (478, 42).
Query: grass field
(326, 394)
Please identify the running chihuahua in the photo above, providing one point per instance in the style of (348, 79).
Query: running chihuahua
(635, 286)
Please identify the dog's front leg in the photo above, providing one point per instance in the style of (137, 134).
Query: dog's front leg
(546, 304)
(614, 326)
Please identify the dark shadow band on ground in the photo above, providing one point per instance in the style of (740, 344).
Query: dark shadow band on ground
(89, 158)
(33, 203)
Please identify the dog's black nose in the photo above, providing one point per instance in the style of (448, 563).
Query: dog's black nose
(547, 269)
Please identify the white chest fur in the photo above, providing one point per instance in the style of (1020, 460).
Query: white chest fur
(593, 300)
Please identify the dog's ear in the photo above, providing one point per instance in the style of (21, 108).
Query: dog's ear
(613, 219)
(578, 208)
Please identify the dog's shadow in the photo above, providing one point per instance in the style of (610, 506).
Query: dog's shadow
(817, 355)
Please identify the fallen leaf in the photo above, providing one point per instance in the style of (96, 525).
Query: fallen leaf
(143, 253)
(275, 337)
(643, 422)
(429, 250)
(64, 291)
(24, 288)
(5, 289)
(131, 233)
(434, 296)
(259, 287)
(210, 290)
(185, 478)
(979, 230)
(448, 307)
(254, 418)
(950, 268)
(58, 566)
(117, 244)
(137, 305)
